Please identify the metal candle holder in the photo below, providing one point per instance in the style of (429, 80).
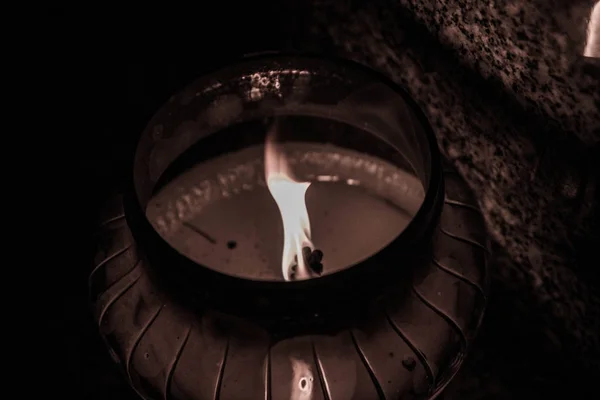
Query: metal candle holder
(396, 325)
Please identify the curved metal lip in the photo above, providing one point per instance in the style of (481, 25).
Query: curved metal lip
(419, 230)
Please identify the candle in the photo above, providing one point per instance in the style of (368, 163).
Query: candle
(221, 214)
(337, 168)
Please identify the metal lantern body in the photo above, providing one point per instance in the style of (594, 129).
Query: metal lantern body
(396, 325)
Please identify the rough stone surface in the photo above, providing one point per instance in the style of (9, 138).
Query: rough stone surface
(530, 48)
(544, 308)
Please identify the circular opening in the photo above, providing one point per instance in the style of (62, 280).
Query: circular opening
(204, 207)
(219, 212)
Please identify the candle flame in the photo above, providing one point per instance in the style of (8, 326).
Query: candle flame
(289, 195)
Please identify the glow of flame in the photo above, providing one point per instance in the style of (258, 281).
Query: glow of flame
(302, 380)
(290, 198)
(592, 47)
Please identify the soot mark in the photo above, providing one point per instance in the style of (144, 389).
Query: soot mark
(231, 244)
(409, 363)
(200, 232)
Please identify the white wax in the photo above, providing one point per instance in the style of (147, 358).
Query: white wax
(348, 224)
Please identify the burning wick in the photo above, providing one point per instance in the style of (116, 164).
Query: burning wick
(299, 260)
(312, 258)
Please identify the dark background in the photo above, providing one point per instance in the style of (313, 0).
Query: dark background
(101, 88)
